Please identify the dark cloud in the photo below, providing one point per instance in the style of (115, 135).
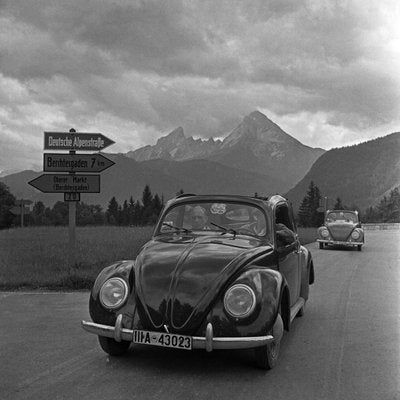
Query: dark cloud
(150, 66)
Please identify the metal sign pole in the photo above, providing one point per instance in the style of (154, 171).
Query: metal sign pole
(71, 229)
(72, 221)
(22, 213)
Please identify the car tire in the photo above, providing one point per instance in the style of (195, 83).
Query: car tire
(359, 247)
(321, 245)
(112, 347)
(266, 356)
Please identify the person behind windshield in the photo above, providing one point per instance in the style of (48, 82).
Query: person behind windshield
(198, 218)
(259, 227)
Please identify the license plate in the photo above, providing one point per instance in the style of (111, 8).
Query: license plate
(162, 339)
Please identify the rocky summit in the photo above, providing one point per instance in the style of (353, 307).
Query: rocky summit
(257, 145)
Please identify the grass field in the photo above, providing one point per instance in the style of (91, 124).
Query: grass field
(38, 257)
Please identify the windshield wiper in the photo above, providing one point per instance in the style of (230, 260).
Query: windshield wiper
(226, 230)
(177, 228)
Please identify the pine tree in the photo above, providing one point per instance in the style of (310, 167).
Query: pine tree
(38, 213)
(338, 205)
(7, 200)
(147, 211)
(125, 214)
(308, 214)
(147, 197)
(112, 212)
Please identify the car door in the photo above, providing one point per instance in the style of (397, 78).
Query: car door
(288, 250)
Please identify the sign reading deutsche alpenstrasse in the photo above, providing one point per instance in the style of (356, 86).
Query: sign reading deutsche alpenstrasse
(56, 162)
(76, 141)
(62, 183)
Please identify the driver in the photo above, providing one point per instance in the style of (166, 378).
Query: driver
(198, 218)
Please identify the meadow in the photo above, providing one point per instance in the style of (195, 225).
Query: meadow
(37, 257)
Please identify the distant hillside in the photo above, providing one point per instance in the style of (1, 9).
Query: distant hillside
(128, 178)
(359, 174)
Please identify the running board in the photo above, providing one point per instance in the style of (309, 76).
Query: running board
(296, 307)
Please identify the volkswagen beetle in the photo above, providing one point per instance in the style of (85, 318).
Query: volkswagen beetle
(220, 272)
(341, 227)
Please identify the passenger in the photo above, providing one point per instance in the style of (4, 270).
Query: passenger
(199, 219)
(259, 227)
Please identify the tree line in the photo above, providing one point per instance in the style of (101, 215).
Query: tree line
(131, 212)
(145, 211)
(309, 215)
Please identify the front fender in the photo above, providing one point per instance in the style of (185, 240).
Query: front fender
(307, 272)
(267, 285)
(121, 269)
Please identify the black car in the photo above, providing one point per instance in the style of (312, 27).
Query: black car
(220, 272)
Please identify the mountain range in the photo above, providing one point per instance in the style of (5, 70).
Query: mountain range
(256, 145)
(257, 156)
(360, 175)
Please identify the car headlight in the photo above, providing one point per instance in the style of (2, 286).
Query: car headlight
(355, 235)
(113, 293)
(324, 232)
(239, 301)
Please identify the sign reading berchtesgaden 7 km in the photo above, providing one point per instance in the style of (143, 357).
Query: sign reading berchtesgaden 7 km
(76, 141)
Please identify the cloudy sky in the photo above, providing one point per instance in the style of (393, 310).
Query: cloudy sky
(327, 72)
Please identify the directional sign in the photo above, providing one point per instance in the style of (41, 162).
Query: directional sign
(17, 210)
(62, 183)
(76, 141)
(55, 162)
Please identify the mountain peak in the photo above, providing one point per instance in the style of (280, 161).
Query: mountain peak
(259, 118)
(175, 137)
(255, 127)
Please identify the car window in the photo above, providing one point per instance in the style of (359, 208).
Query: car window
(200, 216)
(342, 216)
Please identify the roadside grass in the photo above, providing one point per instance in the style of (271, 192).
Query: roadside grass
(37, 257)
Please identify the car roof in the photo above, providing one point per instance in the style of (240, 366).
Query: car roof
(268, 202)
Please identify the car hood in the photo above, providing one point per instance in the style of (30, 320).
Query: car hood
(340, 230)
(178, 278)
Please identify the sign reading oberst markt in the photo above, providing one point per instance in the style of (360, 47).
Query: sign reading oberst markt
(62, 183)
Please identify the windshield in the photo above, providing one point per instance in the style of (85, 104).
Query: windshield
(342, 216)
(222, 218)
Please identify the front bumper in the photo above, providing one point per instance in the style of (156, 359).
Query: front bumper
(340, 242)
(209, 342)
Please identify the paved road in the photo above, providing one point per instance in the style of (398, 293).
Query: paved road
(347, 346)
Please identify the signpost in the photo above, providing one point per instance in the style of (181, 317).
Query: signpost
(72, 184)
(76, 141)
(62, 183)
(20, 209)
(55, 162)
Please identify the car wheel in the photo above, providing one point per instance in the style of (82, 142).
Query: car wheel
(359, 247)
(321, 245)
(267, 356)
(112, 347)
